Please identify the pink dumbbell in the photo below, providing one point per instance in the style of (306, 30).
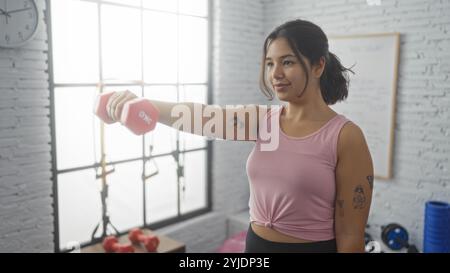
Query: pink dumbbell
(139, 115)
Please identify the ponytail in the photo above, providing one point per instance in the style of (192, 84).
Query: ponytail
(334, 81)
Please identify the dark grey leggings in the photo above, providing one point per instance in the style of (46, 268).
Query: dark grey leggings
(256, 244)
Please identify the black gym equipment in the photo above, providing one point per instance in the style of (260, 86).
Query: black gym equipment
(367, 239)
(396, 237)
(368, 246)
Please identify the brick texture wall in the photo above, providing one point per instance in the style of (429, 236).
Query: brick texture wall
(26, 212)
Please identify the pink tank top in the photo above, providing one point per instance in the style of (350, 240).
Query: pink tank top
(292, 188)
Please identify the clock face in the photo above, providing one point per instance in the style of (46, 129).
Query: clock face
(18, 22)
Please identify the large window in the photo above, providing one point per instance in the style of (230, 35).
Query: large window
(158, 49)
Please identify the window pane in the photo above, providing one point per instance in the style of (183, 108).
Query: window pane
(120, 142)
(163, 138)
(160, 47)
(194, 196)
(194, 7)
(75, 41)
(165, 5)
(76, 127)
(79, 206)
(126, 2)
(192, 93)
(125, 202)
(161, 190)
(193, 48)
(121, 43)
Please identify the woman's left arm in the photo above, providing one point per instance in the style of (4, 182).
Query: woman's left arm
(354, 184)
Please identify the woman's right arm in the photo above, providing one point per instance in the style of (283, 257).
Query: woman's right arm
(213, 121)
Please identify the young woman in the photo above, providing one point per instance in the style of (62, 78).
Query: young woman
(313, 192)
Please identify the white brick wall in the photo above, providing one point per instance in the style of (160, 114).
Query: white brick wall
(422, 136)
(26, 212)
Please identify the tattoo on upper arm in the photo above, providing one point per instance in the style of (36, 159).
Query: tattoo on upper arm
(359, 199)
(340, 203)
(370, 180)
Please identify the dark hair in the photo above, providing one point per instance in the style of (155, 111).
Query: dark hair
(308, 40)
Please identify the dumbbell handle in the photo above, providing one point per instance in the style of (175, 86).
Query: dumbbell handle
(139, 115)
(123, 248)
(138, 238)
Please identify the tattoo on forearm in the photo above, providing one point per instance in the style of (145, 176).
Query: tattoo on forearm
(340, 204)
(237, 122)
(359, 199)
(370, 180)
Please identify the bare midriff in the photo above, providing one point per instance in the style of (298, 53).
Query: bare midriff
(271, 234)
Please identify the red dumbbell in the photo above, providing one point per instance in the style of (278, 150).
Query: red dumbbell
(139, 115)
(150, 242)
(111, 244)
(100, 107)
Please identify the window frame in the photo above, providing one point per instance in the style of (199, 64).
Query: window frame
(208, 148)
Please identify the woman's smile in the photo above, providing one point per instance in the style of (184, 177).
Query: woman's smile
(281, 87)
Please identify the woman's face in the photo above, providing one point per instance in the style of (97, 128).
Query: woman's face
(284, 71)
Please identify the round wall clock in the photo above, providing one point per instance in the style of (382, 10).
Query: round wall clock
(18, 22)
